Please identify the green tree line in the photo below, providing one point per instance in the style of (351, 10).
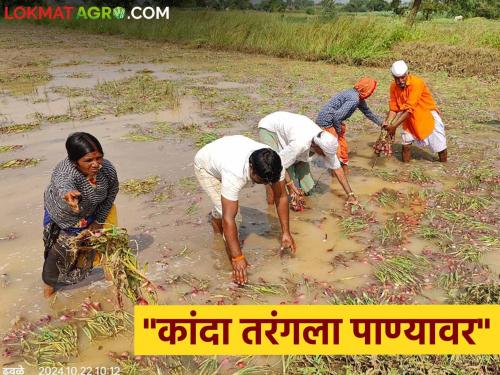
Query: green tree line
(466, 8)
(427, 8)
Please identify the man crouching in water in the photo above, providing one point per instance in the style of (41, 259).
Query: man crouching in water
(223, 168)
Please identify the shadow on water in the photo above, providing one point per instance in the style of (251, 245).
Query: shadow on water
(320, 188)
(266, 223)
(141, 241)
(259, 222)
(97, 274)
(420, 154)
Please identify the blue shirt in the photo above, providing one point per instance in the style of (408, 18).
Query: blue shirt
(341, 106)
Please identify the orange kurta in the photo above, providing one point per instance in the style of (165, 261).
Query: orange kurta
(416, 99)
(342, 150)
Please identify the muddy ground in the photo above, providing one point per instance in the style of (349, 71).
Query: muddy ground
(153, 105)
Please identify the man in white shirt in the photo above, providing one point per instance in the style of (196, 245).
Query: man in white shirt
(297, 138)
(223, 168)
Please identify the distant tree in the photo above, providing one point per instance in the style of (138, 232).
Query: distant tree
(413, 12)
(227, 4)
(240, 4)
(466, 8)
(328, 9)
(377, 5)
(430, 7)
(356, 6)
(215, 4)
(272, 5)
(488, 9)
(366, 5)
(184, 3)
(474, 8)
(14, 3)
(300, 4)
(127, 4)
(396, 7)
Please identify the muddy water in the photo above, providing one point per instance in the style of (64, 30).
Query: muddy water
(171, 241)
(164, 229)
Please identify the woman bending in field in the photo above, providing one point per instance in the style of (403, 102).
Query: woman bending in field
(79, 198)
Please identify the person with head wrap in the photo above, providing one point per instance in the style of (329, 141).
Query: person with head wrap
(80, 197)
(340, 107)
(411, 105)
(297, 139)
(223, 167)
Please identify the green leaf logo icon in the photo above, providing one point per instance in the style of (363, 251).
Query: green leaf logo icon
(119, 13)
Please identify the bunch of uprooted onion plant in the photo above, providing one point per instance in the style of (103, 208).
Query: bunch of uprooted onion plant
(120, 261)
(50, 346)
(296, 198)
(264, 288)
(383, 145)
(297, 202)
(102, 324)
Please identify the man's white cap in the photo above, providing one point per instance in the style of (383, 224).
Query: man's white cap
(399, 68)
(328, 143)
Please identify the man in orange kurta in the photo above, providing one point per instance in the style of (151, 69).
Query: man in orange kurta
(411, 105)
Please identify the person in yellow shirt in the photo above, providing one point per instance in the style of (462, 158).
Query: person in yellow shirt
(411, 105)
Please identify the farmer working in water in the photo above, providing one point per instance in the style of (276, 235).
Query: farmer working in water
(223, 168)
(297, 139)
(340, 107)
(80, 197)
(411, 105)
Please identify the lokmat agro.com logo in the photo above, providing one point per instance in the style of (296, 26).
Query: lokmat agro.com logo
(88, 13)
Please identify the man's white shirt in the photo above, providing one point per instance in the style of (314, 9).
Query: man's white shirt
(295, 134)
(227, 159)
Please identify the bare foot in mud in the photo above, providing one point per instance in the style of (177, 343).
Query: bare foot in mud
(216, 224)
(48, 291)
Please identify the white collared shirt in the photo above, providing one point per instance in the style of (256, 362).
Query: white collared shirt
(227, 159)
(295, 134)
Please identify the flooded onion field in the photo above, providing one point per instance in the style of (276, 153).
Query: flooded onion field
(424, 233)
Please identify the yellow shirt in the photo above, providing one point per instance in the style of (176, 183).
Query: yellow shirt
(416, 99)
